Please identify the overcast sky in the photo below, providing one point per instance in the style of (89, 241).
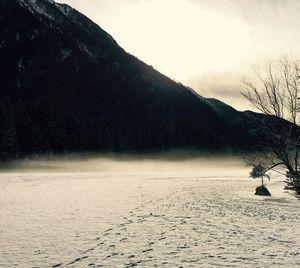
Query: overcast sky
(206, 44)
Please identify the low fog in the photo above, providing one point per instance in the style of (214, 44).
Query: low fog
(170, 162)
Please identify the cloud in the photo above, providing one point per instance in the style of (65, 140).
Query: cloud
(274, 23)
(224, 85)
(258, 12)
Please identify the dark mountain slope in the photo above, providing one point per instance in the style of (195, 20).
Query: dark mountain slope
(66, 85)
(249, 129)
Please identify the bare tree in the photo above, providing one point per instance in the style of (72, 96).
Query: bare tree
(275, 92)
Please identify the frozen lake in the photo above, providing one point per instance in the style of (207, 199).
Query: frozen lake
(103, 213)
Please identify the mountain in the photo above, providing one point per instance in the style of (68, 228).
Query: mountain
(67, 86)
(248, 128)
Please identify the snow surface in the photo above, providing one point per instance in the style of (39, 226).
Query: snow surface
(65, 9)
(37, 6)
(143, 214)
(84, 48)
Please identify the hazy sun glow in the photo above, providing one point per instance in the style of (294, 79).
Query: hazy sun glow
(208, 45)
(179, 38)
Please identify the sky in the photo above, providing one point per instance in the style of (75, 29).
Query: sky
(209, 45)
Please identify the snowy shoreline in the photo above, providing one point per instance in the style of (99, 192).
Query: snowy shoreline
(126, 219)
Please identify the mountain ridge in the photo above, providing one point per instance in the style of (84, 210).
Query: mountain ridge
(67, 86)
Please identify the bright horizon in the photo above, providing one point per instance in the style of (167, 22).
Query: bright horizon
(207, 45)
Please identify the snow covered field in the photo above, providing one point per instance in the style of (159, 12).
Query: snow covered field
(197, 213)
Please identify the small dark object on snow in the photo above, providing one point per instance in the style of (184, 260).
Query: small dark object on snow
(262, 190)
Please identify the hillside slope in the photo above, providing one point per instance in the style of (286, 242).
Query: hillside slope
(66, 86)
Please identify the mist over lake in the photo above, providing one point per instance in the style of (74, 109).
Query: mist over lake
(106, 212)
